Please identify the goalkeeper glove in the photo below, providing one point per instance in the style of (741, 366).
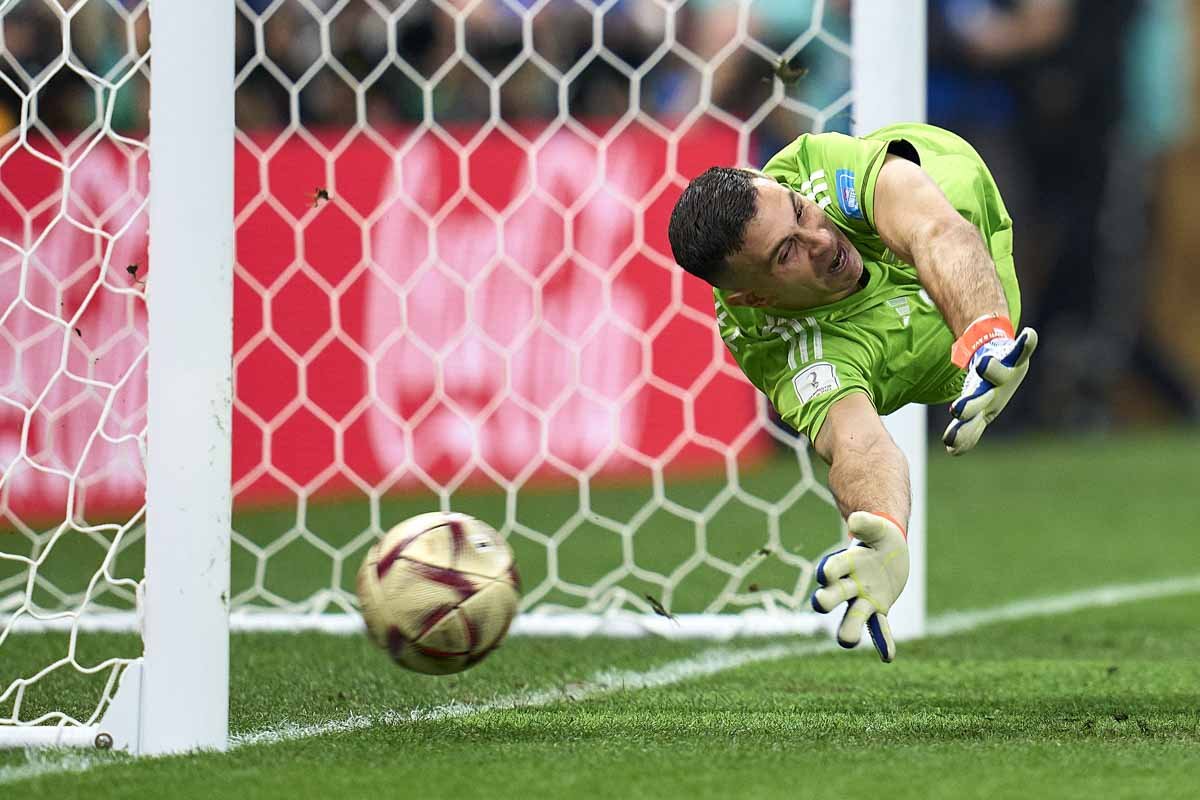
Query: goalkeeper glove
(996, 365)
(870, 575)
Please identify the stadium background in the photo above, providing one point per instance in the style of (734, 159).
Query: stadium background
(369, 370)
(374, 380)
(1088, 124)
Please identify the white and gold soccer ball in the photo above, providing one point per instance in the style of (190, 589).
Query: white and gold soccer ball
(438, 592)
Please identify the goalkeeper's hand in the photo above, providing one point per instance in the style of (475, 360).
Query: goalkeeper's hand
(870, 575)
(994, 372)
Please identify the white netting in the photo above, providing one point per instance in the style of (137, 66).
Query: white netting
(72, 327)
(453, 289)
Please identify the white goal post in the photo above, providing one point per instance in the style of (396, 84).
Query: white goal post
(185, 603)
(888, 70)
(187, 426)
(175, 697)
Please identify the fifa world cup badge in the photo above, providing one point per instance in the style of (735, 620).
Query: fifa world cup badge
(815, 380)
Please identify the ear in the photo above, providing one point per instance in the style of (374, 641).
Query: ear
(744, 297)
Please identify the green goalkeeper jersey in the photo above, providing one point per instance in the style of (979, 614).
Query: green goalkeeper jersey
(887, 340)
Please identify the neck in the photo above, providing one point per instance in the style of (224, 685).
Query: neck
(832, 297)
(802, 304)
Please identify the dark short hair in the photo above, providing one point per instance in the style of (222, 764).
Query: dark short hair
(708, 223)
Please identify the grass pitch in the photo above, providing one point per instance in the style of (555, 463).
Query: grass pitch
(1101, 702)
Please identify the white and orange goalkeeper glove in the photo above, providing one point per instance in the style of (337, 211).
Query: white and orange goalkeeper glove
(870, 576)
(996, 363)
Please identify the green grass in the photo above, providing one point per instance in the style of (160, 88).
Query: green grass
(1097, 703)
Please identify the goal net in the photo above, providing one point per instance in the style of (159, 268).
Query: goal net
(452, 290)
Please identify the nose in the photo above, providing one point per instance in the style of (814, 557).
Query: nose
(820, 241)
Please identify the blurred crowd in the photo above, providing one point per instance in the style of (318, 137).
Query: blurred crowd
(597, 80)
(1074, 106)
(107, 40)
(1077, 108)
(299, 63)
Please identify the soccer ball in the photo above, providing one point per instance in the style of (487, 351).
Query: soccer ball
(438, 592)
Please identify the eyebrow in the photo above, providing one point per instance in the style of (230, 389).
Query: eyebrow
(775, 250)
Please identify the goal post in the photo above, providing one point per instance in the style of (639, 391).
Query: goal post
(185, 620)
(175, 697)
(888, 75)
(367, 307)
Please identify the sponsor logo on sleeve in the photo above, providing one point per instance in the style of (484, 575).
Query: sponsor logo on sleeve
(847, 195)
(815, 380)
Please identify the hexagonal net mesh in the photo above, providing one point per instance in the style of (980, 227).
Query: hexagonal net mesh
(453, 290)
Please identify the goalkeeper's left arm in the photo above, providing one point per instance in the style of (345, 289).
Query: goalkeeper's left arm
(920, 225)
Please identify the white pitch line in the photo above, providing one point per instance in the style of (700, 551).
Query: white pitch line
(708, 662)
(1117, 594)
(40, 763)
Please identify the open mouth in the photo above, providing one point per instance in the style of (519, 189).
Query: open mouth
(839, 261)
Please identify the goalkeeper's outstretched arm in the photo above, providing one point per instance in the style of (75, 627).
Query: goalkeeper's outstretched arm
(868, 476)
(919, 224)
(867, 471)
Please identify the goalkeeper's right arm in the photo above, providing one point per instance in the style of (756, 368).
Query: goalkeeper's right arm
(868, 476)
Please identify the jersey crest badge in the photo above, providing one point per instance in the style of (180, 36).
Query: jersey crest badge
(815, 380)
(847, 195)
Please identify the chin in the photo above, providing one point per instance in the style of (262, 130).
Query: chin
(846, 278)
(855, 269)
(854, 274)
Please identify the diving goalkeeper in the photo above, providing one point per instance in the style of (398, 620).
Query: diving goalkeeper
(853, 276)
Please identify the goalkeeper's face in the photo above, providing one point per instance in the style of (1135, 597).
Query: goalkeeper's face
(793, 255)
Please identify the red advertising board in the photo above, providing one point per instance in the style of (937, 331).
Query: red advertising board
(418, 306)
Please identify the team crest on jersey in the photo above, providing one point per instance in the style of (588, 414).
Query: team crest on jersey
(815, 380)
(847, 195)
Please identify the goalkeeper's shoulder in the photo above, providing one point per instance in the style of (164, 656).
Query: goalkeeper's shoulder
(921, 136)
(926, 140)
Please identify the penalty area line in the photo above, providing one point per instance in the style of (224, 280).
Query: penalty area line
(708, 662)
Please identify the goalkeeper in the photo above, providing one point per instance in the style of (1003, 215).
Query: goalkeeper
(853, 276)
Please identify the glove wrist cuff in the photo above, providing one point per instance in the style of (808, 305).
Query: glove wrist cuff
(977, 334)
(892, 520)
